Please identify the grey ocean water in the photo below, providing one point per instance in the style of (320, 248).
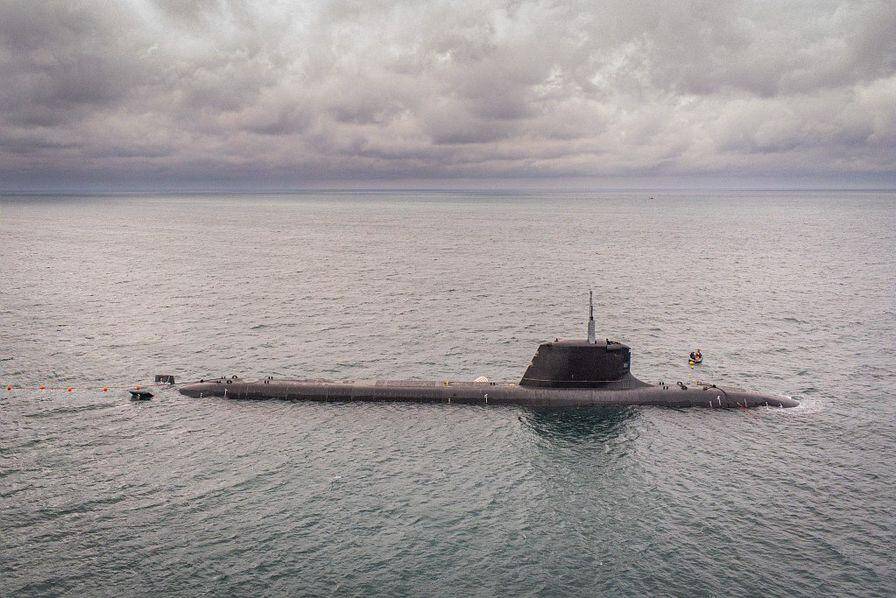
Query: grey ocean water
(787, 292)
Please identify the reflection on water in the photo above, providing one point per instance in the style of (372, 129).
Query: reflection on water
(579, 425)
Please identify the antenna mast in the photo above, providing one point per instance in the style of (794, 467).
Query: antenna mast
(591, 337)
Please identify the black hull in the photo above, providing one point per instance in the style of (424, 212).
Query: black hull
(627, 392)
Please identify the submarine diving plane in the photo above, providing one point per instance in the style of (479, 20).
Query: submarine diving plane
(563, 373)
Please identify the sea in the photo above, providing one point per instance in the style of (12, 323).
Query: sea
(786, 292)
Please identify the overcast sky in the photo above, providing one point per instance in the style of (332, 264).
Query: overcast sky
(143, 93)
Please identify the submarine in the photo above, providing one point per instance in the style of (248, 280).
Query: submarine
(563, 373)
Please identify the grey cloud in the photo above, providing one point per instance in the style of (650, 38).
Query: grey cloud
(288, 91)
(58, 61)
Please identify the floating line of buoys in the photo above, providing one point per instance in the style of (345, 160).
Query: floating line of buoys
(44, 387)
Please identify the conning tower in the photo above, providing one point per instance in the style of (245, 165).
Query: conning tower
(578, 363)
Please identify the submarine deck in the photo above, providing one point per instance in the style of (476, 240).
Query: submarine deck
(628, 391)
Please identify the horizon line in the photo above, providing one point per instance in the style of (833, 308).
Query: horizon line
(494, 190)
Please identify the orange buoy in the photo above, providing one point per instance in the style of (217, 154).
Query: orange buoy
(105, 389)
(9, 387)
(70, 389)
(42, 387)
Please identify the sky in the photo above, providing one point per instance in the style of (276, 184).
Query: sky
(164, 94)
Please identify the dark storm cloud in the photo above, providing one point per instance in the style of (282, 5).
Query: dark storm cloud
(292, 91)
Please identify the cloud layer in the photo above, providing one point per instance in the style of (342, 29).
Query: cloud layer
(291, 92)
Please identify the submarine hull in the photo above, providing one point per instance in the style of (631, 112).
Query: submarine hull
(621, 393)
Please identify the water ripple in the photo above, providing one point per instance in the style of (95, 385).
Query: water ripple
(99, 495)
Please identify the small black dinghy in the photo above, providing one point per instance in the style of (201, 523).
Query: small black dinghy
(140, 395)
